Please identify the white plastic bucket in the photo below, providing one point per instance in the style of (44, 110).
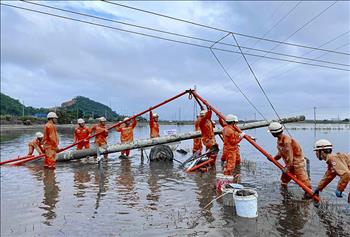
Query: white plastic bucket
(246, 202)
(228, 190)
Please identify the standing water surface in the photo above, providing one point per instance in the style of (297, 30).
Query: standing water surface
(135, 197)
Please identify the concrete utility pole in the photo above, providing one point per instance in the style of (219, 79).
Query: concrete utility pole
(315, 123)
(77, 113)
(161, 140)
(195, 106)
(23, 108)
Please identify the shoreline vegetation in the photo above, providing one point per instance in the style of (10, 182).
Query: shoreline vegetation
(8, 126)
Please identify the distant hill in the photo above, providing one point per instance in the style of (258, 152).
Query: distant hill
(10, 106)
(88, 108)
(80, 106)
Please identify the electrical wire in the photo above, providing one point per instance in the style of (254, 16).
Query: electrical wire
(258, 82)
(278, 22)
(291, 35)
(222, 30)
(329, 41)
(180, 35)
(239, 89)
(167, 39)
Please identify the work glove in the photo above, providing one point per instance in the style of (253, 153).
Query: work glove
(338, 193)
(241, 135)
(285, 170)
(316, 192)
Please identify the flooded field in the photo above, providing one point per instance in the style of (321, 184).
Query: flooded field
(134, 197)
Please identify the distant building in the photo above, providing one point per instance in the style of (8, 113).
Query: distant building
(40, 115)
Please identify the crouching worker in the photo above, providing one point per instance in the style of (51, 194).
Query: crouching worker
(36, 144)
(204, 162)
(50, 141)
(292, 154)
(231, 137)
(102, 134)
(338, 165)
(126, 133)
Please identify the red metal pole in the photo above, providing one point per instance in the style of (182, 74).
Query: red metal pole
(115, 125)
(16, 159)
(265, 153)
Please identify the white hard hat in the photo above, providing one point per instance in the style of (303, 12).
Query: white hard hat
(102, 119)
(39, 135)
(81, 120)
(322, 145)
(231, 118)
(155, 115)
(126, 118)
(275, 127)
(203, 112)
(52, 115)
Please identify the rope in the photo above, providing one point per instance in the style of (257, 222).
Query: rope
(257, 81)
(239, 89)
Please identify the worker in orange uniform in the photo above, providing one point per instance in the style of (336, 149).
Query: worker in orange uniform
(207, 130)
(338, 165)
(36, 144)
(153, 124)
(292, 154)
(126, 133)
(231, 139)
(102, 131)
(50, 141)
(197, 142)
(81, 133)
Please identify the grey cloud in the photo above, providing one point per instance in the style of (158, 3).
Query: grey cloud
(133, 72)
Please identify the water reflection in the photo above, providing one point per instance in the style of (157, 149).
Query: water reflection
(126, 183)
(50, 199)
(335, 225)
(157, 171)
(82, 178)
(292, 214)
(206, 192)
(102, 182)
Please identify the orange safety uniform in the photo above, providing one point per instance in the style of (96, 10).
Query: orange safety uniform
(197, 142)
(35, 145)
(293, 157)
(100, 139)
(81, 133)
(153, 125)
(231, 149)
(338, 165)
(207, 129)
(126, 134)
(50, 142)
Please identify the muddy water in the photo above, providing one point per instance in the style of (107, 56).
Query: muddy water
(137, 198)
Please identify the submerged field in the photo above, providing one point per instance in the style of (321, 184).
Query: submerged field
(137, 198)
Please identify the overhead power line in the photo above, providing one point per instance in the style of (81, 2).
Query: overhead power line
(329, 41)
(279, 21)
(236, 85)
(167, 39)
(180, 35)
(221, 30)
(290, 36)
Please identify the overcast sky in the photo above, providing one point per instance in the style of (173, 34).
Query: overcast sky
(46, 60)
